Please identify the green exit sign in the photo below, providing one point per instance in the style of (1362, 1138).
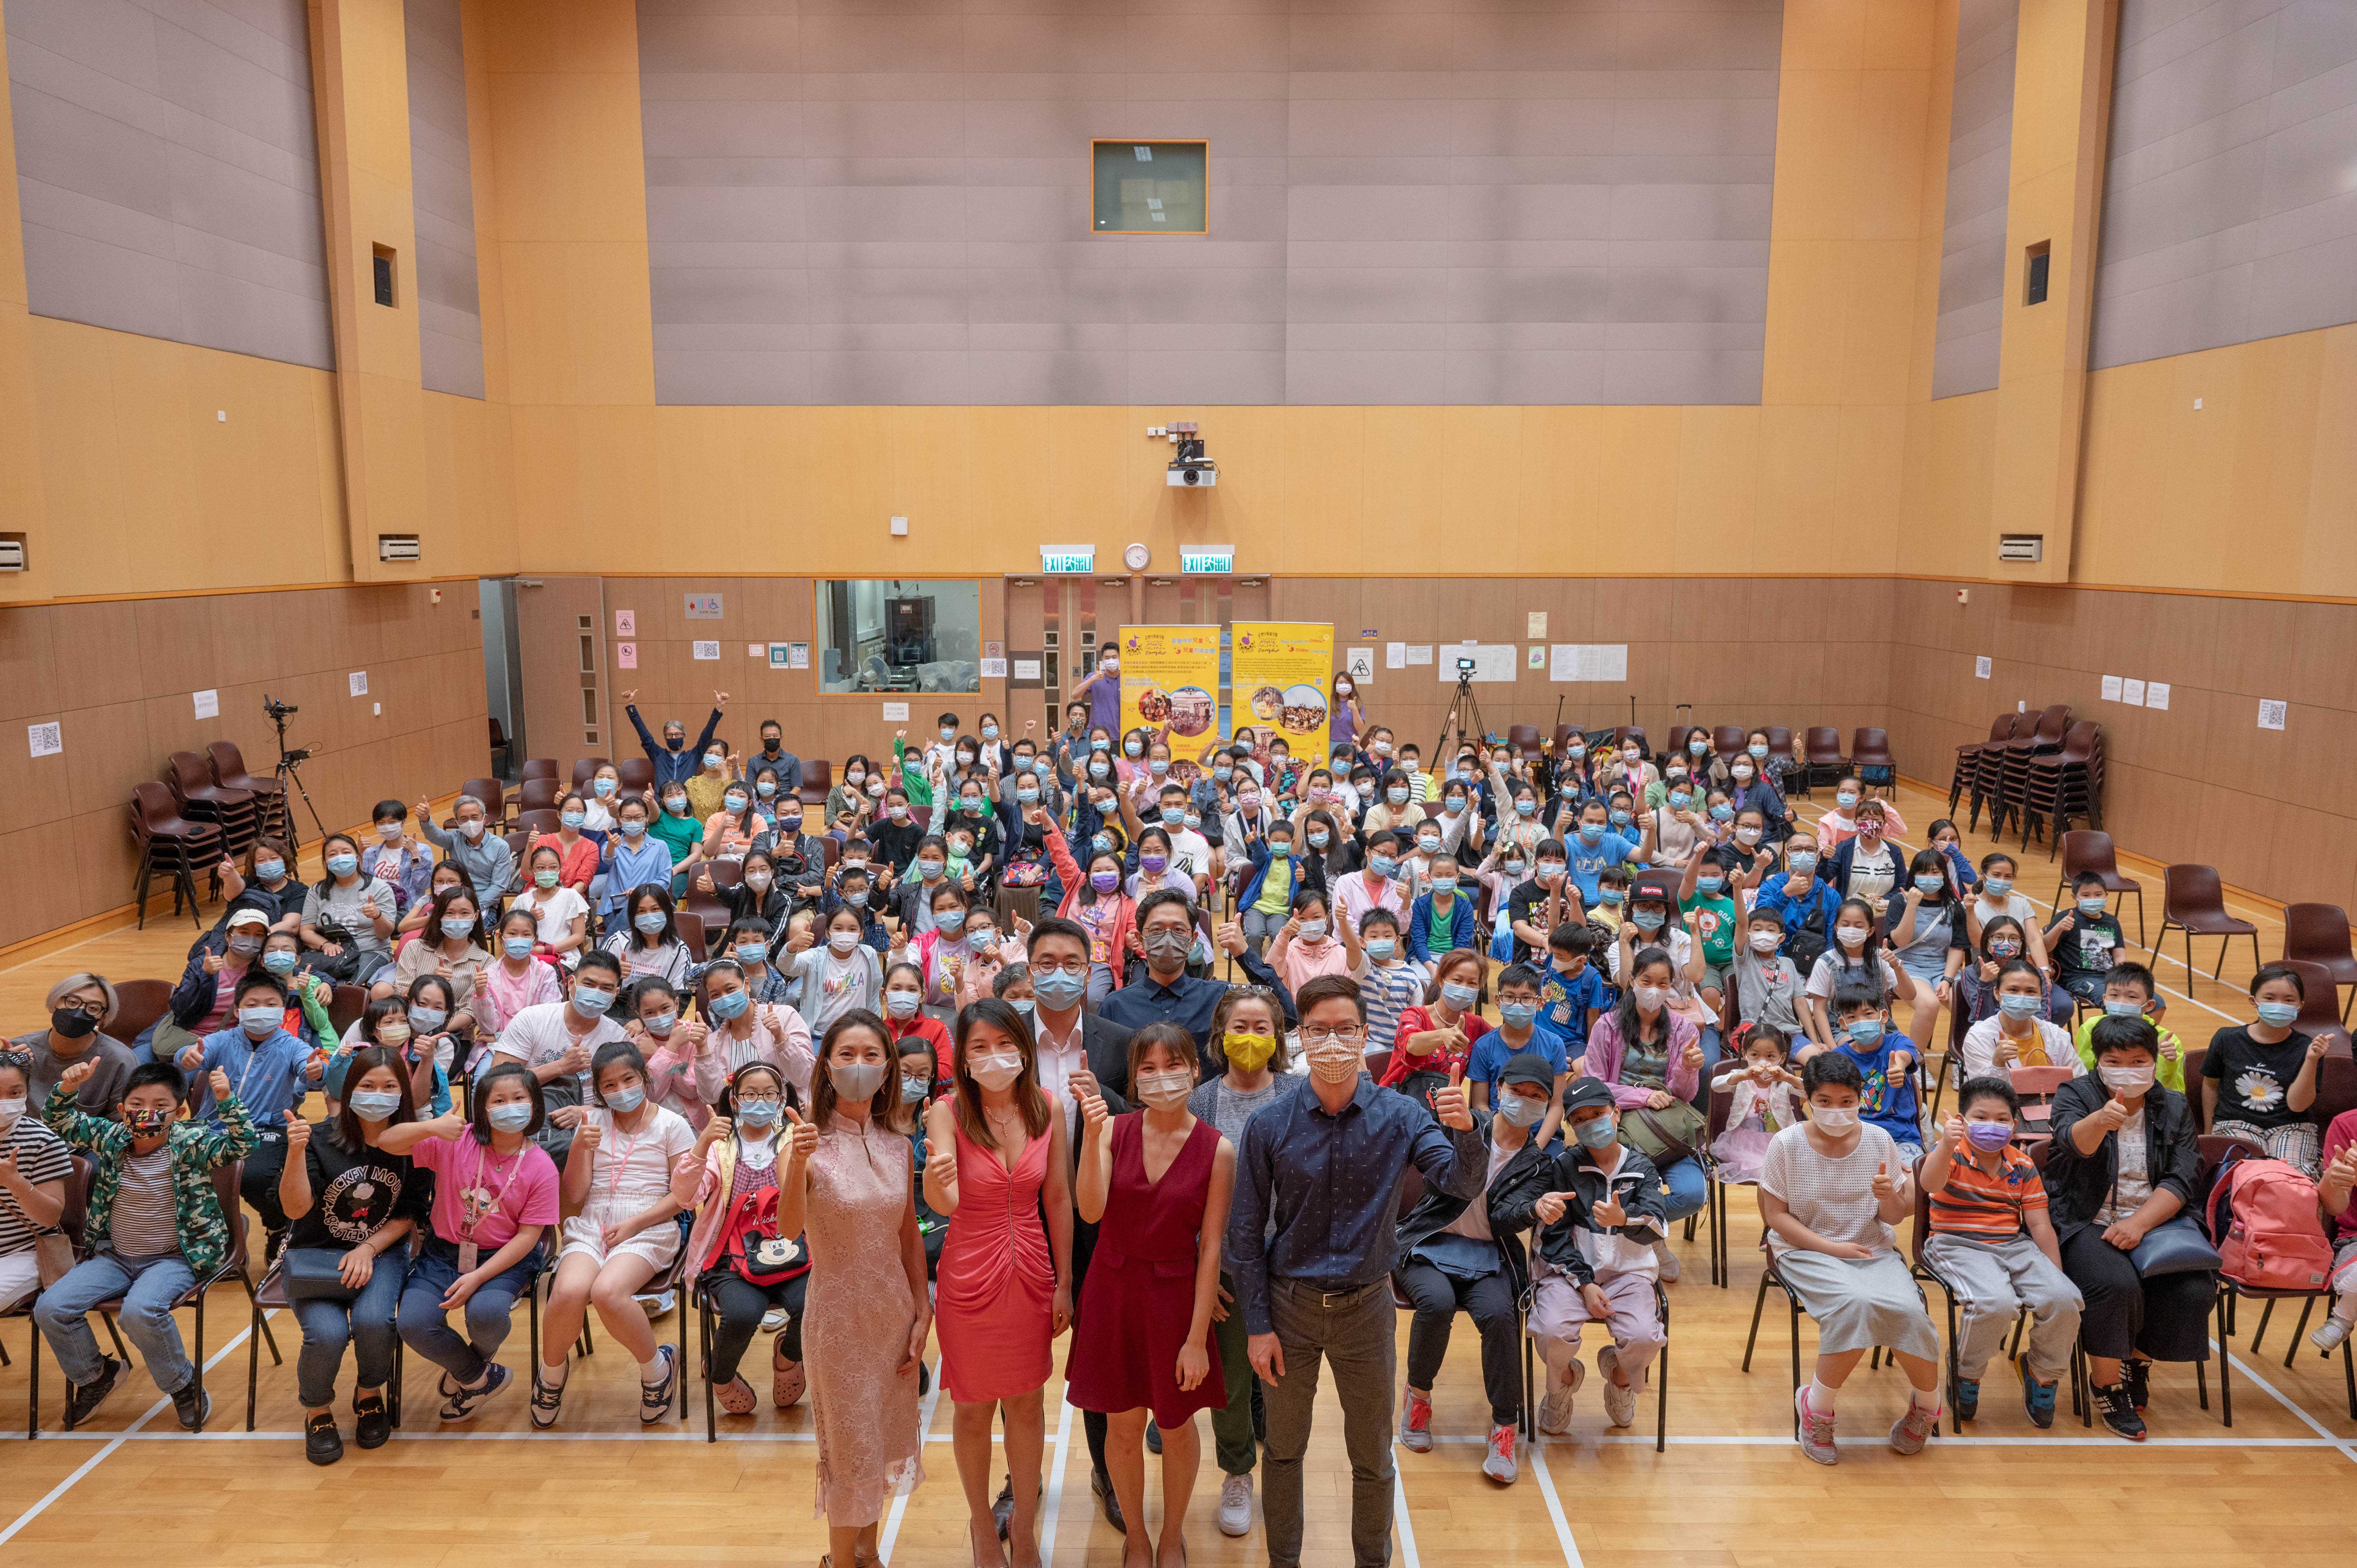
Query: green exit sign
(1210, 560)
(1065, 560)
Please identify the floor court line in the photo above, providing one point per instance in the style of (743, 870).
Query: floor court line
(1539, 1445)
(1053, 1506)
(1400, 1519)
(891, 1531)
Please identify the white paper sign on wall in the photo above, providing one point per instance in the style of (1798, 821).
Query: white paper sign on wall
(2132, 692)
(2272, 713)
(896, 712)
(1983, 666)
(359, 682)
(2111, 688)
(2156, 695)
(1360, 663)
(46, 740)
(208, 704)
(705, 650)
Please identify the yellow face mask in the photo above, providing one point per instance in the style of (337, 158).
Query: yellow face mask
(1250, 1052)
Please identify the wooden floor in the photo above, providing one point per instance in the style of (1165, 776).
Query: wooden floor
(1730, 1489)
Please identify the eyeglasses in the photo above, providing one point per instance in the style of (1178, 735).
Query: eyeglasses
(87, 1009)
(1073, 966)
(1348, 1035)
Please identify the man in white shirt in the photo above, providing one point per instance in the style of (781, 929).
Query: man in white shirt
(558, 1039)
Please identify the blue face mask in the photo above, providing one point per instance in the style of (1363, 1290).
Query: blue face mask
(765, 789)
(1801, 863)
(1058, 988)
(2118, 1008)
(2093, 908)
(2276, 1015)
(2015, 1007)
(1173, 815)
(1383, 866)
(913, 1089)
(1223, 774)
(343, 865)
(426, 1020)
(278, 962)
(1930, 883)
(626, 1100)
(660, 1024)
(1458, 997)
(269, 870)
(1281, 848)
(1678, 798)
(1609, 895)
(1722, 812)
(1526, 808)
(1621, 819)
(755, 953)
(574, 819)
(458, 927)
(509, 1117)
(374, 1105)
(634, 827)
(757, 1114)
(601, 787)
(929, 869)
(856, 897)
(516, 947)
(1379, 949)
(1595, 1134)
(729, 1004)
(1864, 1031)
(1707, 887)
(1759, 750)
(1027, 795)
(1519, 1014)
(261, 1020)
(949, 922)
(651, 922)
(1591, 832)
(1522, 1109)
(590, 1002)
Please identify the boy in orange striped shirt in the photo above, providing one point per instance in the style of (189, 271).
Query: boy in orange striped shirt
(1993, 1244)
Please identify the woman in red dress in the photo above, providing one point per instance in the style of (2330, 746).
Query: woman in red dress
(1003, 1290)
(1157, 1182)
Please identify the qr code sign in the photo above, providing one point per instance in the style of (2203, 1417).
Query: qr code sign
(48, 739)
(2271, 713)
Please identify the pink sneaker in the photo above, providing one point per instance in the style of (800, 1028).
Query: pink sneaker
(1816, 1430)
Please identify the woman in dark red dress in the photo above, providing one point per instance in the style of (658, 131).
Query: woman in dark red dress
(1156, 1183)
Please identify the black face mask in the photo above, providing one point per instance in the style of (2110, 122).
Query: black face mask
(72, 1023)
(772, 745)
(674, 742)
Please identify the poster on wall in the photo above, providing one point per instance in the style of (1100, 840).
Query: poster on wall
(1281, 673)
(1170, 675)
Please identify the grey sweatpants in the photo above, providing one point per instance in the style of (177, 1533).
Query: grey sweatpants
(1995, 1280)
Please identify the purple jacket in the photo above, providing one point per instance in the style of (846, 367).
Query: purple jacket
(1604, 1058)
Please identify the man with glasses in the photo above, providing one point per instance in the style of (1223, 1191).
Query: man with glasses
(1324, 1169)
(1166, 993)
(81, 1005)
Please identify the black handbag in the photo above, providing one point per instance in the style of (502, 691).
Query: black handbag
(314, 1273)
(2175, 1246)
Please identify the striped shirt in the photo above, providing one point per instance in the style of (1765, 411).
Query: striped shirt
(41, 1156)
(1988, 1207)
(144, 1222)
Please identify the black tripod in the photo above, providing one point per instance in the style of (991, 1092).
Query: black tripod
(1464, 714)
(290, 776)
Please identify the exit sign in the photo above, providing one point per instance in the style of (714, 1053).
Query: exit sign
(1208, 560)
(1067, 559)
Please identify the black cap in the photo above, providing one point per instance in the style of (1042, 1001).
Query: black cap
(1528, 1066)
(1585, 1091)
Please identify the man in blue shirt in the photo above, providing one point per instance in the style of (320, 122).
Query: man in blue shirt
(269, 1069)
(1802, 899)
(1592, 848)
(1318, 1178)
(675, 762)
(634, 857)
(1165, 994)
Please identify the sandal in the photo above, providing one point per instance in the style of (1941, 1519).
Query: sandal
(787, 1382)
(735, 1397)
(546, 1402)
(654, 1399)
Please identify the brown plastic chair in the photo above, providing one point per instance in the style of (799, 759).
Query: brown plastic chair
(137, 1004)
(2319, 1010)
(2013, 785)
(638, 775)
(818, 781)
(172, 844)
(585, 769)
(2319, 934)
(1968, 759)
(2089, 849)
(1524, 739)
(543, 819)
(496, 807)
(1821, 748)
(1563, 734)
(2063, 784)
(541, 793)
(1727, 740)
(500, 743)
(231, 772)
(539, 767)
(2193, 901)
(1871, 747)
(345, 1006)
(191, 778)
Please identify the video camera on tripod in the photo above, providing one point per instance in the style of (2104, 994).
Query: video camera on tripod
(290, 759)
(279, 713)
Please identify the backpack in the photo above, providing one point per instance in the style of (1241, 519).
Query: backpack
(2263, 1215)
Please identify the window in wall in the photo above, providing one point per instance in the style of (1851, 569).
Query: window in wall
(899, 635)
(1151, 188)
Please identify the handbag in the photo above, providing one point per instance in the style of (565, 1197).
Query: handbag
(2175, 1246)
(1664, 1136)
(314, 1273)
(53, 1256)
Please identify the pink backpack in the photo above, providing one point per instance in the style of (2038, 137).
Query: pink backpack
(2264, 1216)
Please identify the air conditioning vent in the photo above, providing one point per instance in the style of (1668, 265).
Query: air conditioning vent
(396, 547)
(2021, 547)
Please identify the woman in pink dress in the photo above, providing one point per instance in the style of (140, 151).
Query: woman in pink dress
(1004, 1285)
(1157, 1182)
(846, 1188)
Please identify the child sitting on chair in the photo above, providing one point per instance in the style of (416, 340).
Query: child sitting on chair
(1765, 1100)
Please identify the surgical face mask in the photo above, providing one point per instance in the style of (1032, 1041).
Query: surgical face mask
(660, 1024)
(1597, 1132)
(759, 881)
(763, 1114)
(1651, 998)
(841, 942)
(2276, 1015)
(948, 733)
(1864, 1031)
(1678, 799)
(2129, 1081)
(729, 1004)
(544, 878)
(1619, 819)
(426, 1020)
(1609, 895)
(1104, 881)
(1846, 799)
(1766, 941)
(374, 1105)
(996, 1071)
(262, 1019)
(1131, 748)
(913, 1089)
(949, 922)
(1159, 766)
(855, 896)
(1833, 1118)
(1801, 862)
(676, 804)
(716, 759)
(1742, 771)
(971, 805)
(1708, 886)
(1519, 1014)
(244, 947)
(1154, 864)
(1747, 837)
(1699, 746)
(753, 953)
(601, 787)
(343, 865)
(574, 819)
(2122, 1007)
(269, 870)
(634, 827)
(1851, 936)
(1379, 949)
(1027, 794)
(1721, 812)
(1313, 930)
(901, 1003)
(1997, 885)
(1526, 808)
(1167, 947)
(1281, 848)
(1648, 920)
(1163, 1091)
(1549, 870)
(651, 922)
(1517, 867)
(1247, 798)
(1453, 805)
(1428, 843)
(1522, 1109)
(516, 947)
(1100, 769)
(1988, 1136)
(1173, 815)
(1383, 866)
(1320, 839)
(513, 1117)
(735, 803)
(388, 831)
(928, 868)
(1458, 997)
(590, 1002)
(626, 1100)
(1575, 752)
(2019, 1007)
(1101, 844)
(280, 963)
(1931, 884)
(2093, 908)
(855, 1081)
(990, 732)
(457, 927)
(1396, 794)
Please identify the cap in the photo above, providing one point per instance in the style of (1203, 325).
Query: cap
(1529, 1066)
(1585, 1091)
(249, 916)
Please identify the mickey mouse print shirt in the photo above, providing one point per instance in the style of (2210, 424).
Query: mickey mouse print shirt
(354, 1193)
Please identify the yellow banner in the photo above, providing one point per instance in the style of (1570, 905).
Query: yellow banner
(1170, 675)
(1281, 676)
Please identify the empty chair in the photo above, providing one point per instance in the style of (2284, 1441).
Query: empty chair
(191, 778)
(585, 769)
(539, 767)
(638, 775)
(2193, 901)
(1821, 750)
(1870, 758)
(533, 823)
(497, 808)
(2086, 849)
(2319, 934)
(501, 745)
(539, 794)
(1524, 739)
(1727, 740)
(818, 779)
(231, 772)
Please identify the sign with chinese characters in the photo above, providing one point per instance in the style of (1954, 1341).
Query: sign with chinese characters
(48, 739)
(625, 655)
(1208, 560)
(358, 680)
(208, 704)
(1066, 560)
(626, 623)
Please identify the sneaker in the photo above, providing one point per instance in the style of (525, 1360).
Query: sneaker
(1668, 1260)
(1968, 1396)
(463, 1403)
(547, 1401)
(1908, 1433)
(1235, 1505)
(1555, 1407)
(1415, 1422)
(1816, 1430)
(2328, 1338)
(321, 1442)
(654, 1399)
(193, 1405)
(1619, 1403)
(2117, 1408)
(81, 1399)
(773, 1320)
(2036, 1398)
(2137, 1375)
(1498, 1465)
(372, 1423)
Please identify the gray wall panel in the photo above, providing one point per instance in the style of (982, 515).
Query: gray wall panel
(168, 170)
(2229, 211)
(1490, 204)
(1980, 158)
(442, 192)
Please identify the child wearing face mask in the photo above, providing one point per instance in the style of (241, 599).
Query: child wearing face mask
(2130, 991)
(1768, 985)
(744, 1268)
(1993, 1245)
(989, 948)
(840, 973)
(1862, 1033)
(2258, 1079)
(1392, 981)
(1838, 826)
(1854, 957)
(1763, 1099)
(33, 1167)
(1755, 785)
(1713, 916)
(2085, 939)
(1517, 1034)
(1601, 1229)
(1309, 943)
(2019, 1034)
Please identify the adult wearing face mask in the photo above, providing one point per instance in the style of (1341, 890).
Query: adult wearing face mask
(1866, 865)
(200, 1002)
(1166, 993)
(2124, 1162)
(268, 884)
(482, 853)
(81, 1006)
(266, 1066)
(773, 753)
(1753, 784)
(1805, 901)
(559, 1039)
(1396, 806)
(1836, 826)
(352, 1203)
(1344, 716)
(1311, 1243)
(674, 760)
(396, 858)
(347, 918)
(1460, 1255)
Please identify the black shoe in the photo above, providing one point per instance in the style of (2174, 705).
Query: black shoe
(924, 1379)
(372, 1423)
(193, 1405)
(1002, 1507)
(1153, 1436)
(2139, 1377)
(2114, 1405)
(82, 1399)
(1968, 1399)
(1101, 1484)
(321, 1444)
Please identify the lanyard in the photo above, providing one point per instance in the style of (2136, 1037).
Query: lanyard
(482, 1163)
(621, 1161)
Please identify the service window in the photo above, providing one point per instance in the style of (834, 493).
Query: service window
(1152, 188)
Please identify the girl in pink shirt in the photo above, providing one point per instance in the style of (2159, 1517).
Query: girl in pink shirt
(1311, 943)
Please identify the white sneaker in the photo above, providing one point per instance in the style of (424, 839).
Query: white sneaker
(658, 1306)
(1619, 1403)
(1499, 1464)
(1668, 1260)
(1235, 1505)
(773, 1320)
(1555, 1407)
(2328, 1338)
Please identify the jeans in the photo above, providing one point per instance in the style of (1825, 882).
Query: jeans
(740, 1305)
(1688, 1187)
(148, 1287)
(1232, 1425)
(1259, 926)
(426, 1326)
(363, 1323)
(1355, 1335)
(1438, 1296)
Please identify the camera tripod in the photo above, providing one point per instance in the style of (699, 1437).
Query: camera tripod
(290, 776)
(1464, 715)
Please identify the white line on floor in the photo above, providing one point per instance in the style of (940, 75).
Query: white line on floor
(2239, 1365)
(885, 1537)
(1054, 1503)
(1400, 1519)
(1553, 1504)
